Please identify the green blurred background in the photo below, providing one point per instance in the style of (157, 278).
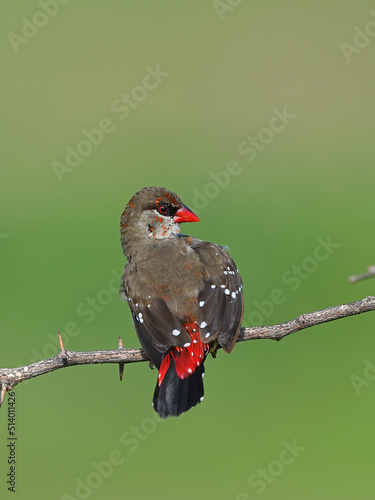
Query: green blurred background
(226, 66)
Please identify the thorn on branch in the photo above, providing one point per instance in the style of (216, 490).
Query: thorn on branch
(3, 391)
(120, 365)
(62, 354)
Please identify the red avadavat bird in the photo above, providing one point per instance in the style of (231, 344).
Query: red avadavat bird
(185, 295)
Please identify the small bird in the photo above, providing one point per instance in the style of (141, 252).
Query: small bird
(185, 296)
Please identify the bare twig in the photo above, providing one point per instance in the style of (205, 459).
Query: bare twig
(364, 276)
(10, 377)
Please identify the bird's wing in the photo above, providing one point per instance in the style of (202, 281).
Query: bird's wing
(157, 328)
(220, 302)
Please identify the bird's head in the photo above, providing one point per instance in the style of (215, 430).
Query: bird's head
(153, 213)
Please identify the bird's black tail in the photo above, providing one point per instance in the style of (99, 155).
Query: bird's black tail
(176, 395)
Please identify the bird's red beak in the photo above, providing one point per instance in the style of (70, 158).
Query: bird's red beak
(184, 214)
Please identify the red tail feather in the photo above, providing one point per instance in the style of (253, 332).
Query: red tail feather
(186, 358)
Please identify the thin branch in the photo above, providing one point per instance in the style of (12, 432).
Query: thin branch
(360, 277)
(10, 377)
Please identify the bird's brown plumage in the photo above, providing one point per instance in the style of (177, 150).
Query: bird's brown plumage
(171, 281)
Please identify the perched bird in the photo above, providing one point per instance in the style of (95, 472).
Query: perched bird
(185, 296)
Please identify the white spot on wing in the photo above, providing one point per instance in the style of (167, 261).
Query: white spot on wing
(176, 332)
(190, 370)
(226, 291)
(203, 324)
(213, 286)
(187, 344)
(233, 294)
(201, 303)
(207, 335)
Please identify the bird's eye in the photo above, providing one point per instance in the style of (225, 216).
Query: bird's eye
(163, 209)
